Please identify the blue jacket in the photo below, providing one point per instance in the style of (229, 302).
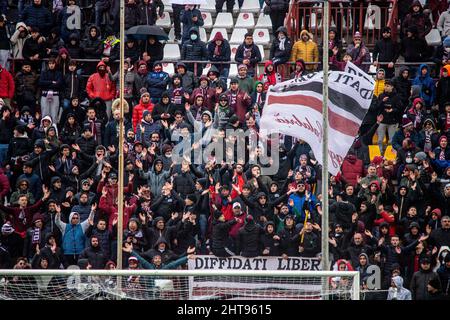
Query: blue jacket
(299, 201)
(428, 91)
(73, 235)
(157, 83)
(38, 16)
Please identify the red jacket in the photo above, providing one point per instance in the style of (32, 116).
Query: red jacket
(268, 79)
(113, 191)
(4, 184)
(352, 167)
(112, 212)
(6, 84)
(138, 111)
(389, 219)
(21, 224)
(100, 87)
(243, 102)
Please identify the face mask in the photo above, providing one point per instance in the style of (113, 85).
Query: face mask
(408, 160)
(447, 49)
(193, 37)
(281, 36)
(102, 72)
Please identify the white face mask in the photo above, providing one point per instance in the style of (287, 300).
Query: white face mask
(281, 36)
(447, 49)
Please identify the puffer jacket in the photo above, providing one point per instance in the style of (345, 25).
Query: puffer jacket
(224, 51)
(428, 88)
(97, 258)
(308, 51)
(155, 180)
(138, 111)
(38, 16)
(194, 49)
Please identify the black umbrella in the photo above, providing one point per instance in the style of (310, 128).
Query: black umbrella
(142, 32)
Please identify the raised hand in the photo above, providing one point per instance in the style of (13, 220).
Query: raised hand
(139, 164)
(94, 206)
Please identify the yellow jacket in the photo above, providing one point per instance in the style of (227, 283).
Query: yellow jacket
(308, 51)
(379, 87)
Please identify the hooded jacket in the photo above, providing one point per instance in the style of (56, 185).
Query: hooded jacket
(419, 19)
(268, 242)
(221, 53)
(155, 180)
(308, 51)
(167, 255)
(428, 88)
(188, 24)
(402, 86)
(18, 42)
(352, 167)
(281, 53)
(269, 78)
(400, 292)
(100, 87)
(193, 49)
(443, 90)
(73, 235)
(414, 49)
(92, 47)
(419, 283)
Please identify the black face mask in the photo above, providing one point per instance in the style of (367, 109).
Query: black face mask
(102, 72)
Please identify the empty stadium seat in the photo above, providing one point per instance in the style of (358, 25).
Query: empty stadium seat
(264, 22)
(207, 20)
(209, 6)
(167, 5)
(202, 32)
(233, 70)
(261, 36)
(250, 6)
(261, 50)
(245, 20)
(433, 38)
(171, 35)
(164, 21)
(215, 30)
(169, 68)
(172, 51)
(233, 48)
(224, 20)
(238, 36)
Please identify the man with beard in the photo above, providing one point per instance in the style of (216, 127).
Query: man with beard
(94, 253)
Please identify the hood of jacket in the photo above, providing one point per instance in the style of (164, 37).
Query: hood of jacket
(72, 214)
(304, 31)
(101, 63)
(424, 65)
(88, 32)
(351, 158)
(46, 118)
(266, 64)
(217, 36)
(161, 240)
(282, 29)
(416, 3)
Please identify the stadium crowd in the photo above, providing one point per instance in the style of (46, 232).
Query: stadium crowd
(59, 148)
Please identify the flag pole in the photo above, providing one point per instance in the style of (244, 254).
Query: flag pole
(325, 257)
(121, 142)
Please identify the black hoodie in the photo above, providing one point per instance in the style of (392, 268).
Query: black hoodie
(268, 242)
(248, 239)
(166, 256)
(92, 47)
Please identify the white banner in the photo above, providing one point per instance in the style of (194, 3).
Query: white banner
(217, 287)
(258, 263)
(195, 2)
(294, 108)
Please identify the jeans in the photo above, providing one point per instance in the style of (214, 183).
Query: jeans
(381, 132)
(203, 224)
(100, 8)
(3, 152)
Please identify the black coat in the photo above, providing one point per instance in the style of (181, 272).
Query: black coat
(131, 15)
(165, 205)
(194, 50)
(248, 240)
(32, 47)
(385, 50)
(87, 146)
(97, 258)
(72, 88)
(393, 101)
(414, 49)
(289, 241)
(219, 236)
(402, 87)
(92, 47)
(184, 184)
(275, 51)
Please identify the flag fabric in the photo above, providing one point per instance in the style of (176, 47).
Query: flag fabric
(294, 108)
